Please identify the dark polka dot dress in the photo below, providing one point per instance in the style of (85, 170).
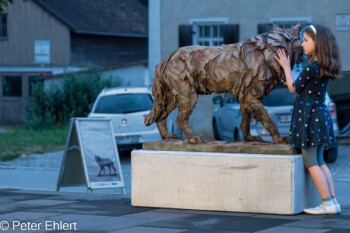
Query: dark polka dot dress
(311, 121)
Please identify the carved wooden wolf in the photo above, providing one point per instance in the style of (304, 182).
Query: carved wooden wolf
(247, 69)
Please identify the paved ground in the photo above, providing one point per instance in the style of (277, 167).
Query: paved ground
(28, 195)
(83, 212)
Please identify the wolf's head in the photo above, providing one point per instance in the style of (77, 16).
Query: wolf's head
(290, 41)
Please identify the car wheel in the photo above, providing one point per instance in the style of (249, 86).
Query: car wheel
(216, 132)
(236, 137)
(330, 155)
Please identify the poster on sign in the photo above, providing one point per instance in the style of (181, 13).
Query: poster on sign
(91, 155)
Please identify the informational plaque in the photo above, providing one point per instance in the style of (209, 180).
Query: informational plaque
(342, 22)
(91, 156)
(42, 52)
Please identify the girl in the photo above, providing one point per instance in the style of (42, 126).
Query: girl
(311, 126)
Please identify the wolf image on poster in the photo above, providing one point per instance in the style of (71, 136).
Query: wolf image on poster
(96, 139)
(105, 163)
(247, 69)
(90, 149)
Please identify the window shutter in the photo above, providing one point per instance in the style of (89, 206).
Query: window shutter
(231, 33)
(264, 27)
(185, 35)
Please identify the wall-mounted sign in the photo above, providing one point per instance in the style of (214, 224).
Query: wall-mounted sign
(342, 22)
(42, 52)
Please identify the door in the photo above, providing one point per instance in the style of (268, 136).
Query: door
(12, 103)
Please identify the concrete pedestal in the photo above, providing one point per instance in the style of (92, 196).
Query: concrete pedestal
(239, 182)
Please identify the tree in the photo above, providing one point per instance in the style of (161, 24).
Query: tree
(144, 2)
(4, 5)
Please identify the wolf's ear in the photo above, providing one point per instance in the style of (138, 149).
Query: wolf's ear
(297, 27)
(296, 30)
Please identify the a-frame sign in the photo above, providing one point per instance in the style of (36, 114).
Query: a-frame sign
(91, 157)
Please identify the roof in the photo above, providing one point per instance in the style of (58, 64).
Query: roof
(100, 17)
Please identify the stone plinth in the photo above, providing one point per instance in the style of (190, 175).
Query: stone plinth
(240, 182)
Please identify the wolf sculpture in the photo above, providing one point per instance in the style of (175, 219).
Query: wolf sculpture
(247, 69)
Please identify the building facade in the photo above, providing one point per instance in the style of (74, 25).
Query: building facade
(40, 39)
(202, 22)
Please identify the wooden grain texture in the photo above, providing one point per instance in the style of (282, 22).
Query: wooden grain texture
(28, 22)
(247, 69)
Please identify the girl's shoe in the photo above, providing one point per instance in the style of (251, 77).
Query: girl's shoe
(323, 209)
(338, 208)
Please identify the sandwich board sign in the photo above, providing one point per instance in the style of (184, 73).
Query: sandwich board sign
(91, 156)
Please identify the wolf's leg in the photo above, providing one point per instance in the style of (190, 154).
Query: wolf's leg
(161, 123)
(185, 106)
(245, 125)
(260, 114)
(115, 170)
(99, 174)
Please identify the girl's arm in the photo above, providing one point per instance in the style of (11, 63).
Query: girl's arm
(284, 61)
(289, 79)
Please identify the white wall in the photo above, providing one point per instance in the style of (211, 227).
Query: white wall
(248, 14)
(154, 36)
(129, 76)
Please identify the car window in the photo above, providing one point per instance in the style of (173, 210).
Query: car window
(124, 103)
(279, 97)
(230, 98)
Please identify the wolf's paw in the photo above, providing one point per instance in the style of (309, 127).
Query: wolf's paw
(254, 139)
(195, 140)
(286, 139)
(171, 136)
(147, 121)
(280, 140)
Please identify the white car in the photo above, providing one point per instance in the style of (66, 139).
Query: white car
(127, 107)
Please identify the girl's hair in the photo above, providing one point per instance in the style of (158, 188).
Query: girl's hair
(326, 51)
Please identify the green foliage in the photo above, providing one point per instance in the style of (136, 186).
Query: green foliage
(144, 2)
(57, 104)
(19, 140)
(4, 4)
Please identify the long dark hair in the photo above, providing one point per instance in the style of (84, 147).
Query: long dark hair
(326, 51)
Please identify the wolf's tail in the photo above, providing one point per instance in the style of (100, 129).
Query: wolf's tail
(158, 91)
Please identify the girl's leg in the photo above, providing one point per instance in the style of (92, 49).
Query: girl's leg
(320, 181)
(318, 177)
(329, 178)
(325, 169)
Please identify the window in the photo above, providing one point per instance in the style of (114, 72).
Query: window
(279, 97)
(230, 99)
(33, 80)
(124, 103)
(12, 86)
(209, 34)
(3, 25)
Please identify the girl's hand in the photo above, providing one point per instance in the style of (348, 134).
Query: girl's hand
(282, 59)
